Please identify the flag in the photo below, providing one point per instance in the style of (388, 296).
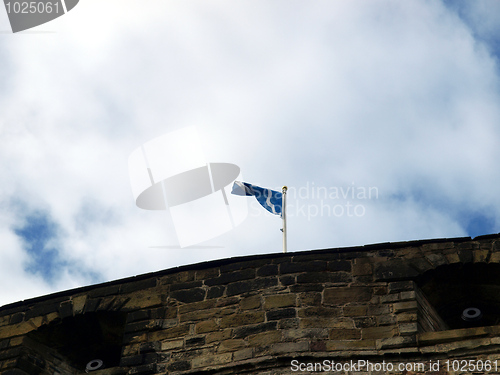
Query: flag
(271, 200)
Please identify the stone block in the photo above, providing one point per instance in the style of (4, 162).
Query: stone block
(179, 366)
(399, 286)
(396, 342)
(138, 285)
(209, 273)
(310, 266)
(231, 277)
(251, 285)
(343, 295)
(339, 265)
(268, 270)
(218, 336)
(189, 295)
(395, 269)
(197, 306)
(407, 328)
(365, 321)
(399, 307)
(186, 285)
(326, 323)
(206, 326)
(310, 299)
(195, 316)
(407, 317)
(170, 333)
(243, 354)
(290, 347)
(324, 277)
(407, 295)
(278, 314)
(279, 300)
(318, 311)
(140, 300)
(172, 345)
(355, 310)
(194, 341)
(379, 332)
(250, 303)
(336, 345)
(310, 333)
(345, 334)
(480, 256)
(264, 338)
(231, 345)
(212, 360)
(215, 291)
(242, 319)
(362, 267)
(240, 332)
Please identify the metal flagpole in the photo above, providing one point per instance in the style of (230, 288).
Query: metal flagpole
(283, 214)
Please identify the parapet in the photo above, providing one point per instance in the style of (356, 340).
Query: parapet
(406, 304)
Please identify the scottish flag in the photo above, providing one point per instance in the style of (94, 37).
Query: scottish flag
(271, 200)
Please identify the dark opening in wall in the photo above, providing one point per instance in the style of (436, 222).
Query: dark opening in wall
(85, 338)
(464, 295)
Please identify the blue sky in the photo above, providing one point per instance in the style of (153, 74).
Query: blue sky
(400, 96)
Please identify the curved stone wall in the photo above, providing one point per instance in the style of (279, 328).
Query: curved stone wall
(269, 314)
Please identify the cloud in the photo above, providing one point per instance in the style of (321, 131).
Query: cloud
(401, 96)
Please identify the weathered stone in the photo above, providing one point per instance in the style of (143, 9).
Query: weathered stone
(355, 310)
(250, 303)
(324, 312)
(311, 266)
(206, 326)
(172, 344)
(324, 277)
(281, 314)
(231, 345)
(242, 319)
(197, 306)
(339, 265)
(209, 273)
(345, 334)
(189, 295)
(250, 285)
(243, 354)
(253, 329)
(335, 345)
(212, 360)
(379, 332)
(187, 285)
(279, 300)
(395, 269)
(399, 307)
(310, 333)
(362, 266)
(342, 295)
(218, 336)
(215, 291)
(268, 270)
(139, 300)
(290, 347)
(231, 277)
(195, 341)
(170, 333)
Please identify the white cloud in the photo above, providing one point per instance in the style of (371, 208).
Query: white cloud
(397, 95)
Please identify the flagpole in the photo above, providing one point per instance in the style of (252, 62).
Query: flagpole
(283, 214)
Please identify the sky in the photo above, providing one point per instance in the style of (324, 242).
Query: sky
(382, 117)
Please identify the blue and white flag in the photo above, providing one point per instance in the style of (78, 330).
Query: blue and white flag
(271, 200)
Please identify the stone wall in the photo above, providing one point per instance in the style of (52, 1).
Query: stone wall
(393, 303)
